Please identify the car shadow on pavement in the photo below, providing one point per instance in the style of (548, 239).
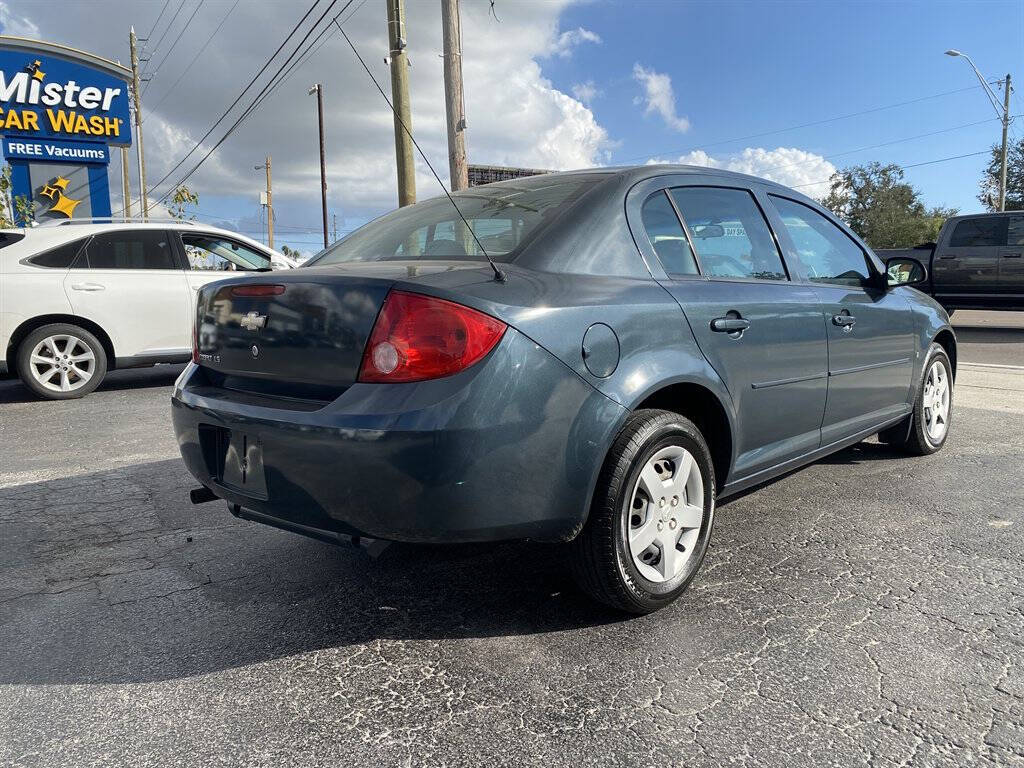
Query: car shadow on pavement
(13, 391)
(115, 577)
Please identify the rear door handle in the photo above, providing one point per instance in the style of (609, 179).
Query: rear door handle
(87, 287)
(729, 324)
(843, 321)
(1011, 255)
(946, 258)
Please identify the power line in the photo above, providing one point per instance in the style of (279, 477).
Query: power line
(159, 16)
(904, 167)
(195, 58)
(175, 43)
(152, 51)
(877, 146)
(273, 82)
(240, 95)
(802, 125)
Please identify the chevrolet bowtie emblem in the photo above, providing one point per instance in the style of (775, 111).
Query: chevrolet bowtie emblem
(253, 321)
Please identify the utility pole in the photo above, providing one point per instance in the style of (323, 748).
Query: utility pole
(318, 89)
(454, 106)
(334, 227)
(138, 123)
(126, 190)
(400, 98)
(269, 204)
(1006, 126)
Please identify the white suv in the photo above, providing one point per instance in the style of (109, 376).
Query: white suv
(79, 299)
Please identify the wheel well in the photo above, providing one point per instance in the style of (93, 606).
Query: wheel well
(28, 326)
(703, 408)
(946, 339)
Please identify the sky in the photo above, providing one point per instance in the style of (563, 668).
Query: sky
(787, 90)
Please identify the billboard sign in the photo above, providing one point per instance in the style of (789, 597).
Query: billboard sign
(52, 92)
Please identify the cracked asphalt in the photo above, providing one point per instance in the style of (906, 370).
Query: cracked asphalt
(867, 610)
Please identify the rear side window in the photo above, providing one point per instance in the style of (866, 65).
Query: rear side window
(61, 257)
(138, 249)
(729, 232)
(667, 236)
(980, 232)
(828, 255)
(1015, 231)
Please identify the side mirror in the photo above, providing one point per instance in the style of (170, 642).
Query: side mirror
(904, 270)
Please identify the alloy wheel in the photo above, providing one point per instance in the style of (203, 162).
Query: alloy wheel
(936, 402)
(62, 363)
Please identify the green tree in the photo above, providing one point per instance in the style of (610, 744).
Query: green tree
(988, 193)
(182, 198)
(882, 208)
(286, 250)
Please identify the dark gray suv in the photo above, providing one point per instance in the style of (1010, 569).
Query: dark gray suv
(589, 357)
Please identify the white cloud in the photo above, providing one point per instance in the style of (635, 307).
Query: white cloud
(586, 92)
(790, 166)
(14, 24)
(514, 113)
(564, 44)
(659, 97)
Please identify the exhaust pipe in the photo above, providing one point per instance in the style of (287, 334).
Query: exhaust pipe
(202, 495)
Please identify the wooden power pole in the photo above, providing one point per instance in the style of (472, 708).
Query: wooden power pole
(400, 97)
(270, 207)
(454, 104)
(136, 97)
(318, 89)
(1006, 127)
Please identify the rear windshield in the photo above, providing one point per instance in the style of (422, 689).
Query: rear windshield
(502, 216)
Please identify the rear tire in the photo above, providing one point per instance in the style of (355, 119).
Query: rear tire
(651, 517)
(933, 409)
(61, 361)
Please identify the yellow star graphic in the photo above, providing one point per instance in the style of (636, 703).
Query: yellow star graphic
(64, 205)
(61, 183)
(38, 74)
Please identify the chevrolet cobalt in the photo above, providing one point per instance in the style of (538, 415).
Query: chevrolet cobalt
(589, 357)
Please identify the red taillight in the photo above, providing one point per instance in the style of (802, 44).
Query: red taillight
(260, 289)
(419, 337)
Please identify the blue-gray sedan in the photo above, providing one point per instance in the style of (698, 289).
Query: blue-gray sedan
(590, 357)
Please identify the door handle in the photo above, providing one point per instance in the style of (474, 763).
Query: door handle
(1011, 255)
(729, 324)
(844, 321)
(87, 287)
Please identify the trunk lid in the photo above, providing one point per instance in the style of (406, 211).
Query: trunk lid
(306, 339)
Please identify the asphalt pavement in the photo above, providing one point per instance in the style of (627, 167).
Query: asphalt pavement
(866, 610)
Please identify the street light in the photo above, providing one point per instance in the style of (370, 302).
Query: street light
(1003, 111)
(318, 89)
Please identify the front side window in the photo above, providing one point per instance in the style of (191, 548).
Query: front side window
(827, 254)
(501, 215)
(130, 249)
(667, 236)
(61, 257)
(979, 233)
(207, 252)
(729, 232)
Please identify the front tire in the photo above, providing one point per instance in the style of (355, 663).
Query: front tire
(61, 361)
(651, 517)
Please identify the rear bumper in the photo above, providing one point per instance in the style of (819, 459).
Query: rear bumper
(508, 449)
